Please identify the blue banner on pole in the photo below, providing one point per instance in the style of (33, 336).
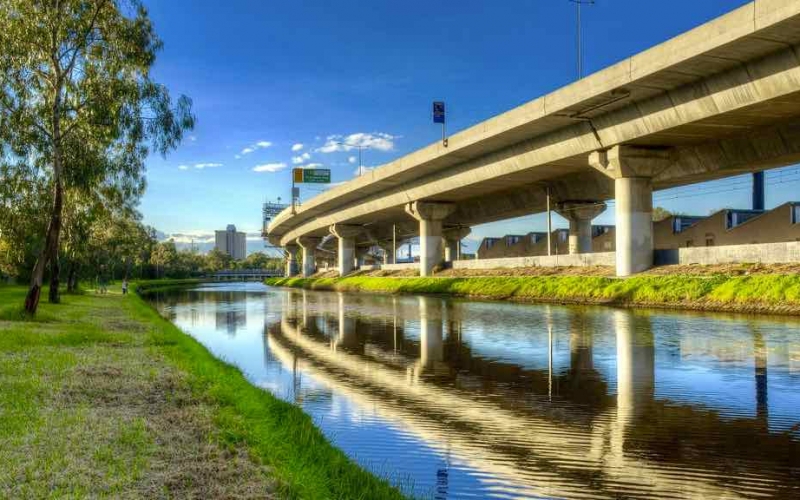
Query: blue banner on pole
(438, 112)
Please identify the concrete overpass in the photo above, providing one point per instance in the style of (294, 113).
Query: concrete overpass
(720, 100)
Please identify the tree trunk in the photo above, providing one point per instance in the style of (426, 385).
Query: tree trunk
(50, 250)
(55, 268)
(72, 282)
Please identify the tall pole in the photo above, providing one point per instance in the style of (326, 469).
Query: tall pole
(578, 30)
(549, 224)
(394, 242)
(578, 40)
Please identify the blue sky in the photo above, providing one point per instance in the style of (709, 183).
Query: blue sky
(268, 76)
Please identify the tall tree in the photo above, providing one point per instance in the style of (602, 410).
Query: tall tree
(78, 101)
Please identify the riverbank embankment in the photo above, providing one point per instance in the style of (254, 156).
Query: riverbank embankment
(100, 396)
(743, 292)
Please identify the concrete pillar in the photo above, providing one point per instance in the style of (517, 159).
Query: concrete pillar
(634, 213)
(346, 236)
(291, 261)
(361, 256)
(633, 169)
(452, 240)
(388, 253)
(430, 216)
(309, 245)
(580, 215)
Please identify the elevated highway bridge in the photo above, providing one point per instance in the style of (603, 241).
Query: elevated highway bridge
(720, 100)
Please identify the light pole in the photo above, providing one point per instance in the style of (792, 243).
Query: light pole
(578, 5)
(360, 148)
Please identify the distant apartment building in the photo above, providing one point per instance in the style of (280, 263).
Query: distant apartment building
(232, 242)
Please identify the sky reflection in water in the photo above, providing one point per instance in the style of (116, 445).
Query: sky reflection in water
(457, 399)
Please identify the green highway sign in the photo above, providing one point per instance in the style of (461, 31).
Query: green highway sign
(312, 176)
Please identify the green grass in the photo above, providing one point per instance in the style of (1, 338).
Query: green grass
(760, 293)
(101, 397)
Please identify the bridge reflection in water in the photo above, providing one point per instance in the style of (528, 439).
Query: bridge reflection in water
(539, 401)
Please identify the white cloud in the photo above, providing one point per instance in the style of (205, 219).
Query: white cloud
(378, 140)
(269, 167)
(301, 158)
(192, 138)
(201, 166)
(311, 165)
(297, 147)
(183, 167)
(238, 157)
(352, 159)
(255, 147)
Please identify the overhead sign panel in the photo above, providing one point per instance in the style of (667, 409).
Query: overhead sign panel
(438, 111)
(311, 176)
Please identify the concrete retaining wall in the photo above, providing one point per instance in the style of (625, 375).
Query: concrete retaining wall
(369, 267)
(400, 267)
(766, 253)
(579, 260)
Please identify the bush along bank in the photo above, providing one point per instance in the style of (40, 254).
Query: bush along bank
(771, 293)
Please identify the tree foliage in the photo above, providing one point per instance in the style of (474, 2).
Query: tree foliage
(78, 106)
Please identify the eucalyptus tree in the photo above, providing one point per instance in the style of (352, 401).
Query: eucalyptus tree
(23, 218)
(77, 100)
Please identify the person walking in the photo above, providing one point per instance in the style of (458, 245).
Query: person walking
(125, 286)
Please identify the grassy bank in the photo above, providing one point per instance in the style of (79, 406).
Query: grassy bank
(101, 397)
(779, 294)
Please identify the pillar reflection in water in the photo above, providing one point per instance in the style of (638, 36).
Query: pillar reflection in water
(548, 313)
(431, 345)
(580, 344)
(760, 359)
(635, 374)
(346, 336)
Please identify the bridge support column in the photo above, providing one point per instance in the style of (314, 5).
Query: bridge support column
(633, 169)
(388, 252)
(361, 256)
(580, 215)
(430, 216)
(452, 240)
(347, 246)
(291, 261)
(309, 245)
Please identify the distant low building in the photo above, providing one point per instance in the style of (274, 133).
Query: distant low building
(232, 242)
(725, 227)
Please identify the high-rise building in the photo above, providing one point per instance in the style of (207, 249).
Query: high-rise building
(232, 242)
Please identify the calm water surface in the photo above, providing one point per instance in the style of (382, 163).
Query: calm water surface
(461, 399)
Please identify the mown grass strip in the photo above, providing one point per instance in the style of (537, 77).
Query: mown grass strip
(777, 293)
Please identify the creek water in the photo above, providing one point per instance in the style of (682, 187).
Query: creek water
(452, 398)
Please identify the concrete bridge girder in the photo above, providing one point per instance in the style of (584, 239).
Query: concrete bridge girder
(683, 99)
